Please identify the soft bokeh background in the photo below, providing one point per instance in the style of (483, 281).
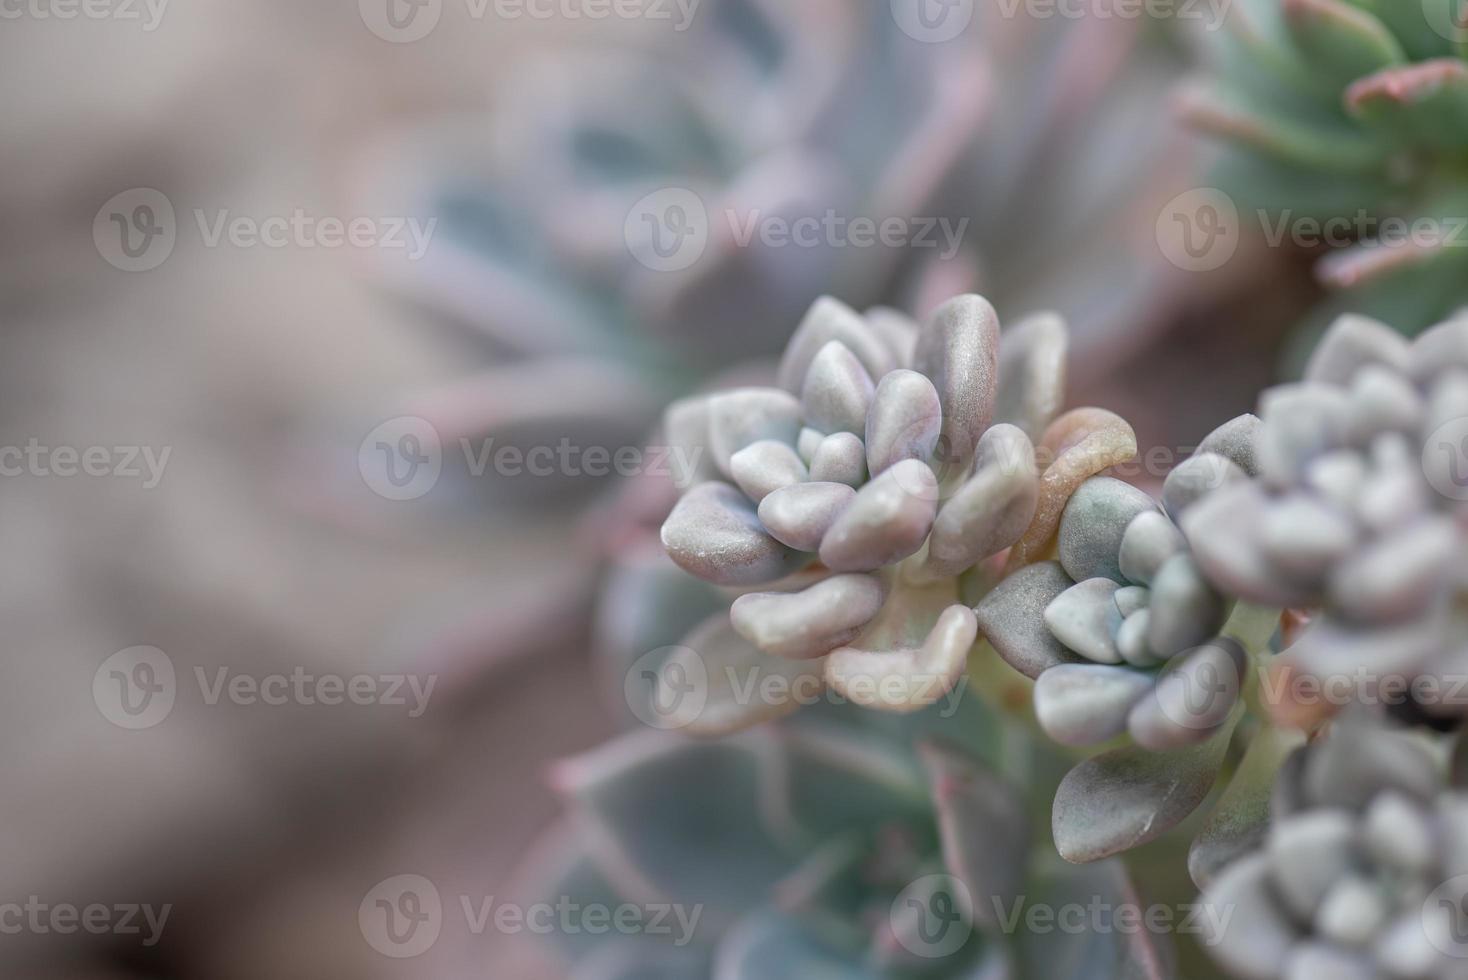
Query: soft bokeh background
(263, 551)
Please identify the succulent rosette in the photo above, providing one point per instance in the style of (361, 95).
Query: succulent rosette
(859, 503)
(825, 849)
(1133, 650)
(1131, 626)
(1007, 157)
(1352, 111)
(1362, 872)
(1358, 511)
(760, 110)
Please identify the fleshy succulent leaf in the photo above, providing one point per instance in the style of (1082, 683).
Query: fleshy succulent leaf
(958, 349)
(812, 622)
(1129, 796)
(715, 534)
(1427, 101)
(717, 682)
(1342, 42)
(909, 679)
(1032, 373)
(1080, 444)
(1011, 618)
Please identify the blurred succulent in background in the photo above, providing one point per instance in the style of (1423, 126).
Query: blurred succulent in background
(1359, 510)
(1362, 873)
(771, 111)
(1126, 599)
(821, 849)
(1353, 112)
(890, 461)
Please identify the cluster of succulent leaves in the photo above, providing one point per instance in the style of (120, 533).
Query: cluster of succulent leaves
(866, 493)
(1360, 511)
(1147, 626)
(901, 518)
(1363, 869)
(1345, 108)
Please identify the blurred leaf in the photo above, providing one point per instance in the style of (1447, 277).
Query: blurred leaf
(982, 824)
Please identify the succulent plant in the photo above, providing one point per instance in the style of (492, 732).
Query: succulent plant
(758, 108)
(1125, 601)
(891, 461)
(1363, 871)
(1358, 509)
(1353, 111)
(819, 849)
(776, 111)
(1124, 636)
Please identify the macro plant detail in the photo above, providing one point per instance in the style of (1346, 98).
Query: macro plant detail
(1358, 512)
(735, 489)
(827, 847)
(1355, 112)
(1123, 599)
(881, 480)
(1363, 871)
